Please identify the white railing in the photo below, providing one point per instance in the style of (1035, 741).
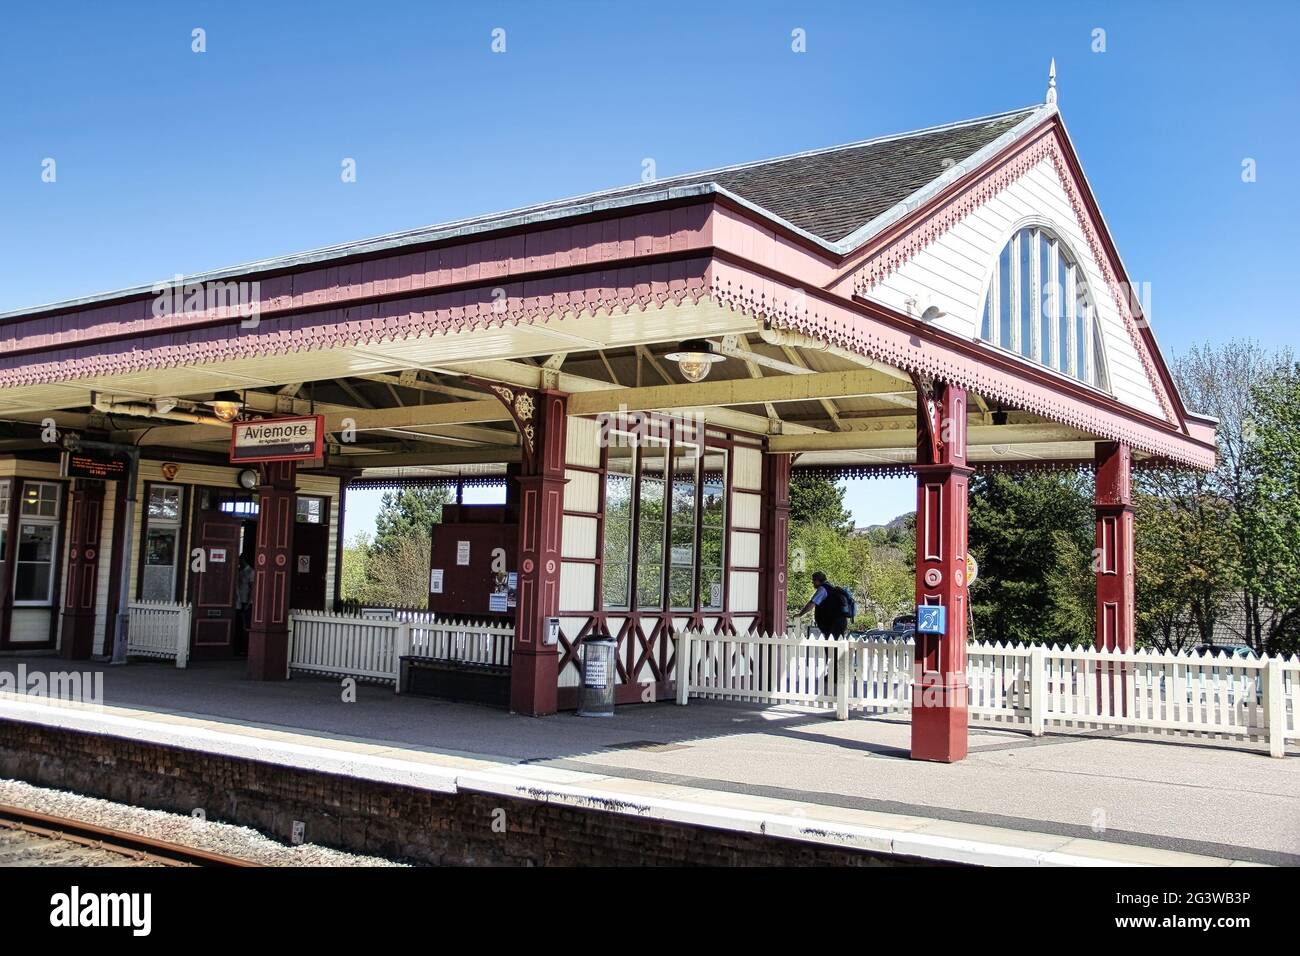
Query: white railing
(728, 667)
(1023, 685)
(371, 647)
(477, 643)
(347, 645)
(159, 629)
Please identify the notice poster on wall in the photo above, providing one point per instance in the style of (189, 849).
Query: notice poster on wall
(499, 600)
(217, 555)
(462, 553)
(435, 580)
(304, 564)
(512, 589)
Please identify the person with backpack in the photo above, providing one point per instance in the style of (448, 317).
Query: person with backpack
(833, 607)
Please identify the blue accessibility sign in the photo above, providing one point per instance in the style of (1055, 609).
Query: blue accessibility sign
(931, 619)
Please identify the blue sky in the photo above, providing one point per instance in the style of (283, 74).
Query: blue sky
(169, 161)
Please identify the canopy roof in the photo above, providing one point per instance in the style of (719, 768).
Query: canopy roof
(776, 262)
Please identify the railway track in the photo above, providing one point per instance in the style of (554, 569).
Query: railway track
(29, 838)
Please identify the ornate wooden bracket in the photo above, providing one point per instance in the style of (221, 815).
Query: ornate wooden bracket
(522, 404)
(930, 417)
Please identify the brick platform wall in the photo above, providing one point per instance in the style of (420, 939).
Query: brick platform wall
(381, 819)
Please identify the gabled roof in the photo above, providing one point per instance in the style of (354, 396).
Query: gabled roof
(831, 194)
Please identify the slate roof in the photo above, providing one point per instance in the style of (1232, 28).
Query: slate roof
(833, 192)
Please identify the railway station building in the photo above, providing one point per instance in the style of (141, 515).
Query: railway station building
(643, 369)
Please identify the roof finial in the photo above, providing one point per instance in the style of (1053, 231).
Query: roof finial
(1051, 83)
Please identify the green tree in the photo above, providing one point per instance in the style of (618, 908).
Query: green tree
(887, 582)
(1271, 521)
(1186, 558)
(395, 564)
(412, 510)
(816, 500)
(1220, 381)
(1030, 533)
(356, 557)
(845, 559)
(400, 575)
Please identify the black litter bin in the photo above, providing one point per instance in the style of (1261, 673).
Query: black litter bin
(596, 696)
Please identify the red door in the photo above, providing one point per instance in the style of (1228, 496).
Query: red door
(213, 587)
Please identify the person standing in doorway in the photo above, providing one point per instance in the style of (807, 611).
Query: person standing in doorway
(243, 602)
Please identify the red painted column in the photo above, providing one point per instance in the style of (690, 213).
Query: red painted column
(84, 524)
(776, 541)
(534, 666)
(1114, 554)
(939, 700)
(268, 632)
(1113, 560)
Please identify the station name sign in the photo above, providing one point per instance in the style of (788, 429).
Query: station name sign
(278, 439)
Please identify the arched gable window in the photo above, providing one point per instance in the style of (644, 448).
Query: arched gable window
(1038, 304)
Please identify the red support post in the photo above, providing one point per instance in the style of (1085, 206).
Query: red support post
(77, 641)
(1113, 562)
(1113, 558)
(776, 541)
(534, 669)
(268, 633)
(939, 698)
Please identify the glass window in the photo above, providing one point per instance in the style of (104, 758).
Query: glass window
(675, 499)
(160, 548)
(40, 500)
(682, 526)
(310, 510)
(161, 543)
(652, 523)
(1004, 298)
(243, 507)
(1047, 299)
(713, 512)
(34, 548)
(1065, 314)
(164, 503)
(34, 565)
(1081, 320)
(4, 516)
(1035, 272)
(617, 552)
(1025, 292)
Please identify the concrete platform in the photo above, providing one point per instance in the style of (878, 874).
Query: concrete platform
(1078, 799)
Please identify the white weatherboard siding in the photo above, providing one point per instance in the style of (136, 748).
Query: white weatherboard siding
(746, 512)
(105, 579)
(578, 533)
(954, 271)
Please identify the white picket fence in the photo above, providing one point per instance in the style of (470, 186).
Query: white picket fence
(159, 629)
(371, 648)
(1030, 686)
